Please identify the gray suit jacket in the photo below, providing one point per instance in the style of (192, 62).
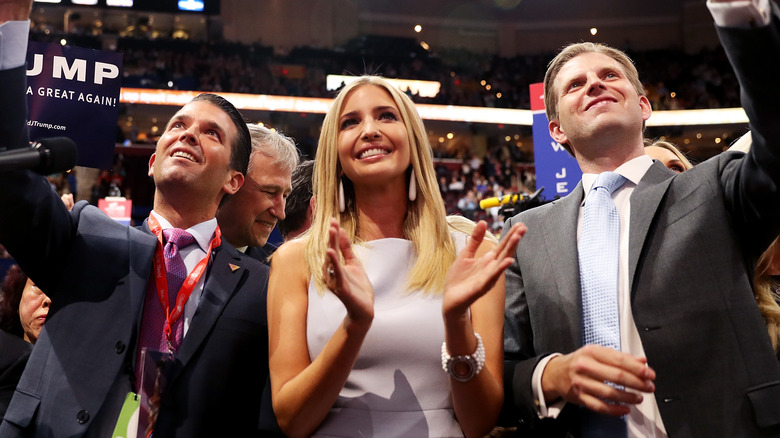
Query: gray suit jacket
(694, 238)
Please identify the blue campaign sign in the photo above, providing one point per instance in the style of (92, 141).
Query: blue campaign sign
(556, 170)
(74, 92)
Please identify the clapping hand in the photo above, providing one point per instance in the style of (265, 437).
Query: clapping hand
(471, 277)
(347, 281)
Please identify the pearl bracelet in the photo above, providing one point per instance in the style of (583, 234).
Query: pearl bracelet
(474, 362)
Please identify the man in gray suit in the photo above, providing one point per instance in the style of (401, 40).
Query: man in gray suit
(107, 281)
(695, 359)
(249, 216)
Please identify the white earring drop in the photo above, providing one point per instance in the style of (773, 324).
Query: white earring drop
(342, 204)
(412, 187)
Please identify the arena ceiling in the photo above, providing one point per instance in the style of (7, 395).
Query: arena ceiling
(531, 11)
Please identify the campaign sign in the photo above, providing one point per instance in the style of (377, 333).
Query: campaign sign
(556, 170)
(117, 208)
(74, 92)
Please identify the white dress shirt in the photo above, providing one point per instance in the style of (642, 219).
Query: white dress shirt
(644, 419)
(13, 44)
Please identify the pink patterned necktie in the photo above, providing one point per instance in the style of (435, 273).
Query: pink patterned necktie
(176, 273)
(153, 318)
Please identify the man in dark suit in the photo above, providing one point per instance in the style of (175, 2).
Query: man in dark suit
(695, 359)
(15, 352)
(248, 217)
(99, 275)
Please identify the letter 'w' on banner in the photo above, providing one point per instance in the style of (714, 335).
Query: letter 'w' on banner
(74, 92)
(556, 170)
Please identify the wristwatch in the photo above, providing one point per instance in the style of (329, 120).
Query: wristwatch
(463, 368)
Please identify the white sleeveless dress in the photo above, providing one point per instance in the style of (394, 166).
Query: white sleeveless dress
(397, 387)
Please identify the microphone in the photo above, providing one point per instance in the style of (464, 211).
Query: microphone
(495, 202)
(506, 199)
(45, 156)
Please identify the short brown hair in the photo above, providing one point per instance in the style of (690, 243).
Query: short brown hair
(574, 50)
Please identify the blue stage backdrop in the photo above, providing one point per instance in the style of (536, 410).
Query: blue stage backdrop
(74, 92)
(556, 170)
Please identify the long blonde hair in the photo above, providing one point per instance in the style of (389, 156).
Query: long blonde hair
(425, 224)
(765, 288)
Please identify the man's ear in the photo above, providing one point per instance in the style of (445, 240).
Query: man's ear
(557, 133)
(647, 108)
(234, 182)
(151, 165)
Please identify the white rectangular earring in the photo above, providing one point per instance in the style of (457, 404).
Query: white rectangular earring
(342, 204)
(412, 187)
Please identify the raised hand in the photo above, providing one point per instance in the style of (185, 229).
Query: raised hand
(67, 199)
(470, 277)
(348, 281)
(13, 10)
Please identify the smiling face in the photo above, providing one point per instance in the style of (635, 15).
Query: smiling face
(250, 215)
(373, 142)
(194, 152)
(33, 309)
(596, 101)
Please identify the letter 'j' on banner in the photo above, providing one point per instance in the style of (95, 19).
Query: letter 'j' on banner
(74, 92)
(556, 170)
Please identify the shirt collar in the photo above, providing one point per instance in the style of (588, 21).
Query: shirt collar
(633, 170)
(202, 232)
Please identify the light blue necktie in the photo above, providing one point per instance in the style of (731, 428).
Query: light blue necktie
(598, 256)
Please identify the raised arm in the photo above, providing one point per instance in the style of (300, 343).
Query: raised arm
(34, 225)
(303, 390)
(754, 194)
(474, 303)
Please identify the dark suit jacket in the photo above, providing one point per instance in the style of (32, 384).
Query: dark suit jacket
(14, 352)
(693, 241)
(96, 272)
(261, 253)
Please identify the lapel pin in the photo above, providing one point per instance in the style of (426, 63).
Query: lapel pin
(234, 268)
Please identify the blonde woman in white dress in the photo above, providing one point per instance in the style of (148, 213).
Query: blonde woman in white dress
(386, 317)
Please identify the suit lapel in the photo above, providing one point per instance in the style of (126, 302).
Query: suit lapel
(644, 203)
(560, 233)
(222, 281)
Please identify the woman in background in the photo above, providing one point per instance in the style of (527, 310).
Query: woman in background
(23, 306)
(668, 154)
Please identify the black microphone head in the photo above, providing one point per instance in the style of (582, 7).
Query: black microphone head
(58, 154)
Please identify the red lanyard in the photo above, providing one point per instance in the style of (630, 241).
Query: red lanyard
(172, 315)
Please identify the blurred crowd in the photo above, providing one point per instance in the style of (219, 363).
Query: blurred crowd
(674, 79)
